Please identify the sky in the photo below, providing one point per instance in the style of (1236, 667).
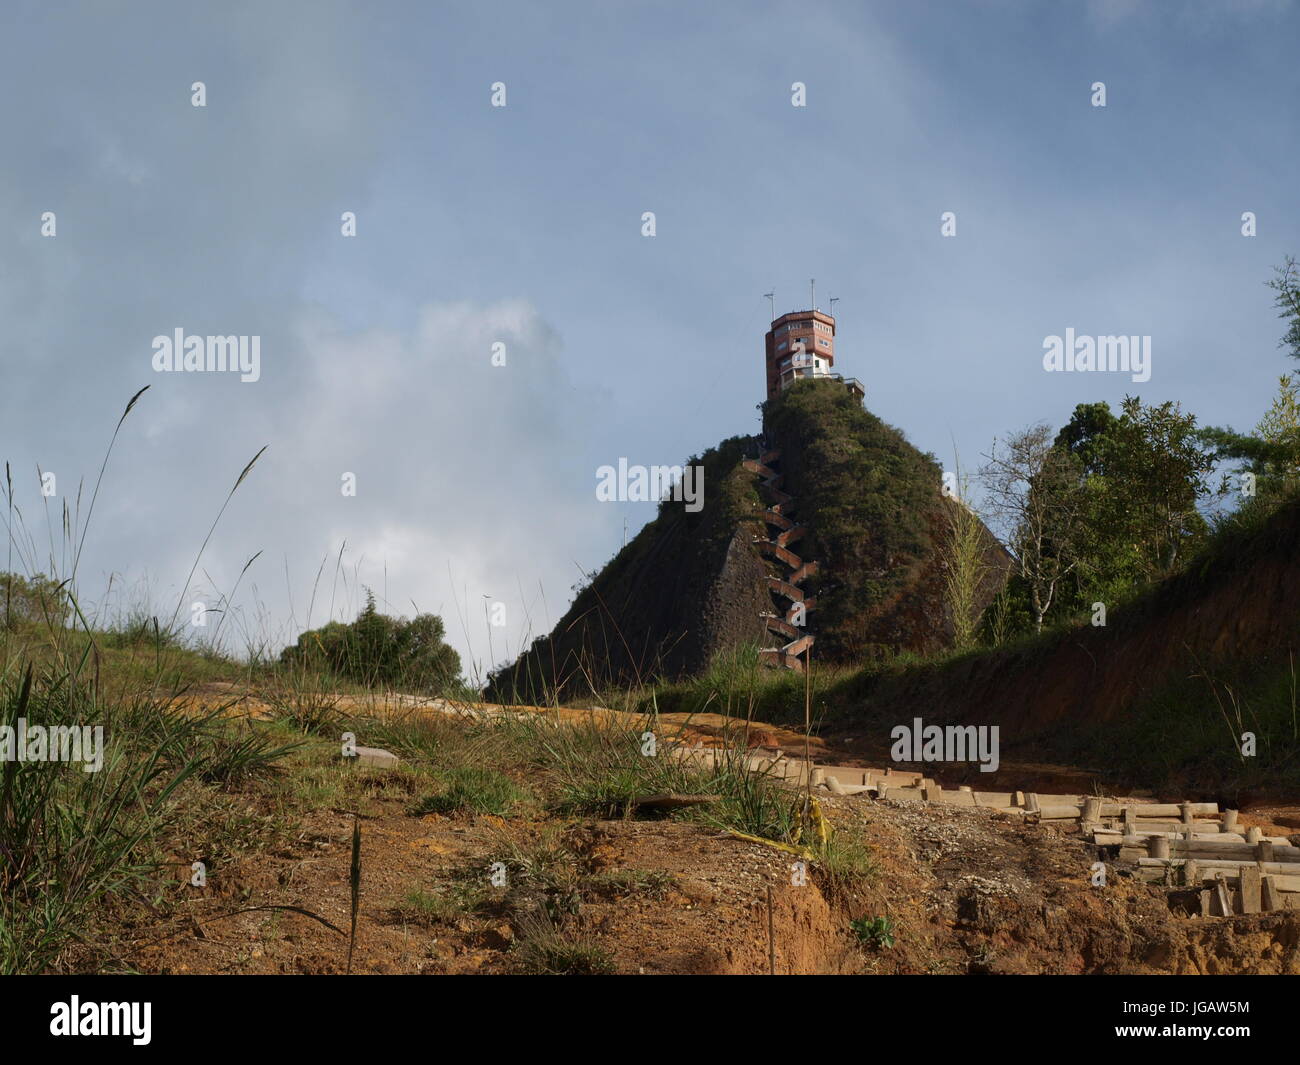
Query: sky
(522, 225)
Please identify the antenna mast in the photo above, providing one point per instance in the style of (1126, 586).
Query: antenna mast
(771, 300)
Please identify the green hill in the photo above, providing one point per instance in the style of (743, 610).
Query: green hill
(692, 586)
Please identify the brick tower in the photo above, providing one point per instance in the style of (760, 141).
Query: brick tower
(802, 344)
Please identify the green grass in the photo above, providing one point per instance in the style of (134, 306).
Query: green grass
(71, 840)
(443, 906)
(472, 789)
(546, 949)
(630, 883)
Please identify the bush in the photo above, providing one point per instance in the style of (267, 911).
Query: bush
(32, 600)
(380, 650)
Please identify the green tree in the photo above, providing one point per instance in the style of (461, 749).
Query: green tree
(1033, 489)
(376, 649)
(1272, 453)
(1154, 470)
(1286, 284)
(1144, 472)
(1082, 434)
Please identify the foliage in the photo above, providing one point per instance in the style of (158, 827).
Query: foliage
(376, 649)
(876, 932)
(1034, 488)
(965, 566)
(869, 496)
(1286, 283)
(1109, 507)
(472, 789)
(37, 600)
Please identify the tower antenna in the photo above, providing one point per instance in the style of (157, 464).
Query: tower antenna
(834, 300)
(771, 300)
(812, 289)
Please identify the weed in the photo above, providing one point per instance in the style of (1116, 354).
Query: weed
(875, 932)
(471, 789)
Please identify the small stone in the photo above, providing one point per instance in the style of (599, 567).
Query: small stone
(375, 756)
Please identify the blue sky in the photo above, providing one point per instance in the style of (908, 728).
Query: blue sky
(522, 225)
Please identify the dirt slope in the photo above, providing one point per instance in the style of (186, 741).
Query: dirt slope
(1159, 697)
(967, 892)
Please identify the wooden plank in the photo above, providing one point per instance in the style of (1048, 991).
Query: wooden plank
(1142, 825)
(1206, 848)
(1270, 896)
(1111, 838)
(1250, 889)
(1222, 897)
(1174, 811)
(1284, 873)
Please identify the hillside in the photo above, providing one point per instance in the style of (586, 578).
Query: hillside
(690, 587)
(1158, 697)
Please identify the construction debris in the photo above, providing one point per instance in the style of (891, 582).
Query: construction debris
(1186, 844)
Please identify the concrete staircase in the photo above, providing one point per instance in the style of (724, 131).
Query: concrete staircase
(788, 599)
(1191, 848)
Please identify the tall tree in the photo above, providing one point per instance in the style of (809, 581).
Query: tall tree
(1033, 490)
(1154, 470)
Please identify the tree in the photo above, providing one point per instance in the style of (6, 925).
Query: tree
(1153, 471)
(1033, 489)
(1144, 473)
(34, 600)
(1272, 452)
(1286, 284)
(1083, 433)
(378, 649)
(1279, 472)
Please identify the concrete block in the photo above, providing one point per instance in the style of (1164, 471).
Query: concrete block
(1222, 897)
(1250, 889)
(376, 757)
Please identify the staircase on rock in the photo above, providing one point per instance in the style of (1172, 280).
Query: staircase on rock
(790, 606)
